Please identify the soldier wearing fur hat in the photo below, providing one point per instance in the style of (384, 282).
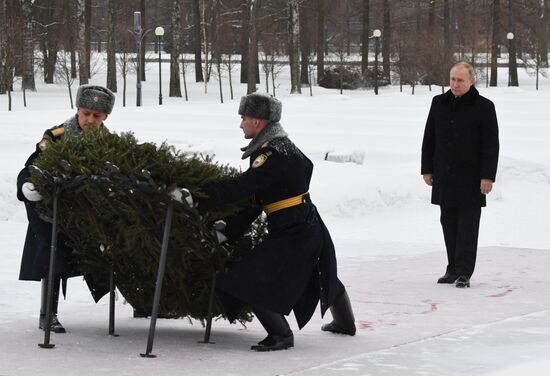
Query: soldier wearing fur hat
(295, 267)
(94, 104)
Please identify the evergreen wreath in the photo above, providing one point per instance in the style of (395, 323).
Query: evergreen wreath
(112, 206)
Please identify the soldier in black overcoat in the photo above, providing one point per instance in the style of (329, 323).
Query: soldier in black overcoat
(295, 266)
(94, 104)
(459, 161)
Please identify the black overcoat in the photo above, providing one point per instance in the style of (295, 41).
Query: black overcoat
(460, 148)
(35, 259)
(36, 251)
(295, 266)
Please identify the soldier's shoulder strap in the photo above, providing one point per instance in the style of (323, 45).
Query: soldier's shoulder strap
(52, 134)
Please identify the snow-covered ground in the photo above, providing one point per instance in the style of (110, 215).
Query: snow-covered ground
(388, 238)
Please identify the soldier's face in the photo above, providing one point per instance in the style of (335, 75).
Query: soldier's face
(89, 119)
(249, 126)
(460, 81)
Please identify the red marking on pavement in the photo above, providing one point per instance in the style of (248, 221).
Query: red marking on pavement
(365, 325)
(507, 290)
(433, 306)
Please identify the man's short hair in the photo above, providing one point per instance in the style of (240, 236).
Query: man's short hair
(468, 66)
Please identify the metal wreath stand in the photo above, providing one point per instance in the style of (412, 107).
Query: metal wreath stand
(160, 195)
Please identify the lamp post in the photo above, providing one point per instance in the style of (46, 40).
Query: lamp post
(376, 34)
(137, 36)
(510, 37)
(512, 67)
(159, 32)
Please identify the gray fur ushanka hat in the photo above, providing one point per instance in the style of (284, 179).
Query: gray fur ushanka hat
(94, 97)
(262, 106)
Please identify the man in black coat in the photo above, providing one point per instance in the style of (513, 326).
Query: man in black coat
(459, 161)
(295, 266)
(94, 104)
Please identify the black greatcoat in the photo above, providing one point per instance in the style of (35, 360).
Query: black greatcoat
(295, 266)
(36, 251)
(460, 148)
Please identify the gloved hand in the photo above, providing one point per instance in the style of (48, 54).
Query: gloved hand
(180, 194)
(217, 228)
(30, 192)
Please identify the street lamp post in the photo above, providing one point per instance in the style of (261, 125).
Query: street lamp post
(137, 35)
(376, 34)
(510, 37)
(159, 32)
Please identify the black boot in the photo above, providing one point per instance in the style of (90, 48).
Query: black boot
(55, 325)
(343, 321)
(279, 336)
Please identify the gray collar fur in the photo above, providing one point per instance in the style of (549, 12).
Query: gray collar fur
(71, 125)
(271, 131)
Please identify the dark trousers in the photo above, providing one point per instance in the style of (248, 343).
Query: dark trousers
(460, 230)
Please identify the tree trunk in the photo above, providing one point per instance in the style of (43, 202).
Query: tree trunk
(88, 36)
(365, 34)
(252, 49)
(28, 49)
(294, 45)
(321, 39)
(245, 28)
(447, 44)
(143, 44)
(543, 34)
(82, 67)
(50, 59)
(494, 44)
(175, 89)
(3, 43)
(304, 43)
(111, 48)
(386, 39)
(512, 63)
(431, 18)
(197, 41)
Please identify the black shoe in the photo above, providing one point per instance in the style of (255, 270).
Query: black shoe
(462, 282)
(338, 329)
(274, 343)
(447, 278)
(343, 321)
(55, 327)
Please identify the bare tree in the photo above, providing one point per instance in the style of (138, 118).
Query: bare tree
(28, 82)
(82, 66)
(495, 42)
(305, 40)
(3, 45)
(197, 40)
(365, 34)
(513, 66)
(88, 36)
(111, 49)
(294, 45)
(320, 44)
(252, 48)
(387, 36)
(63, 73)
(143, 60)
(175, 88)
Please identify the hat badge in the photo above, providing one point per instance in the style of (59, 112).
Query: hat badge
(96, 98)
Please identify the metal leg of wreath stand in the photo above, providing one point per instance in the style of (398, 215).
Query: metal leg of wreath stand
(210, 309)
(160, 277)
(51, 275)
(112, 301)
